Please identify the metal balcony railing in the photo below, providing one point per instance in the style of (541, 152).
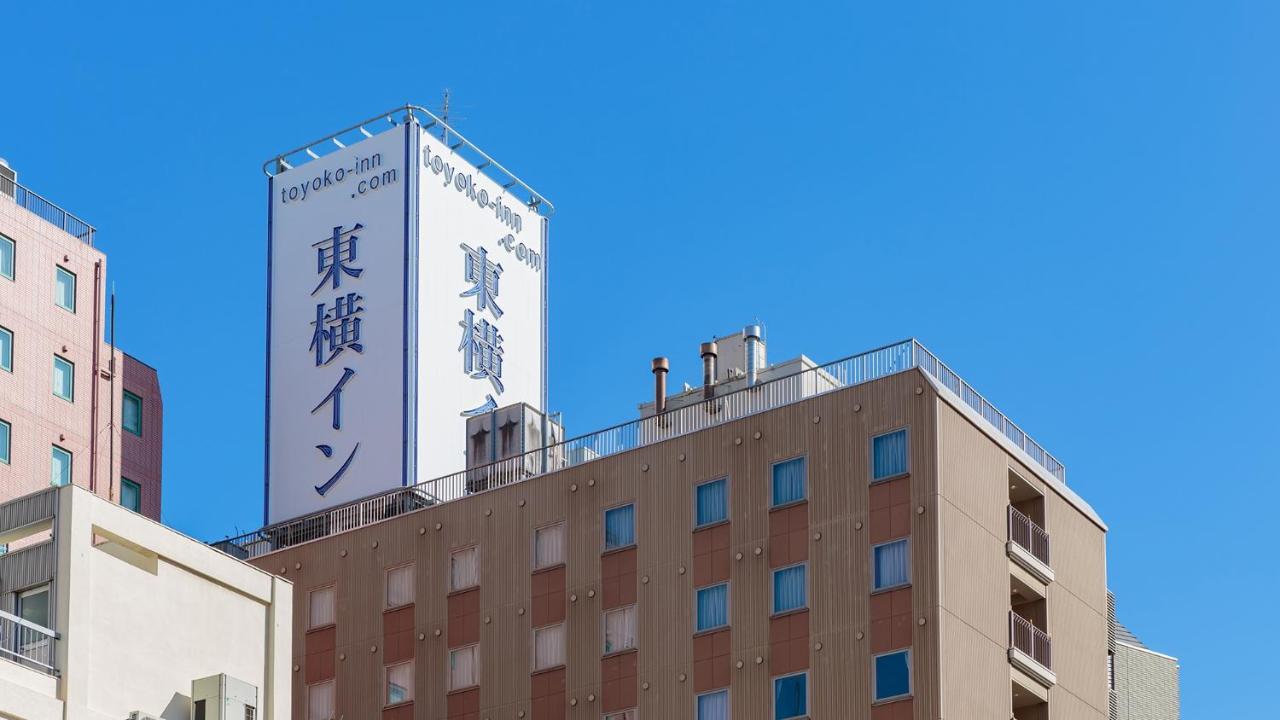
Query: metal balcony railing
(1025, 532)
(27, 643)
(1030, 640)
(49, 212)
(848, 372)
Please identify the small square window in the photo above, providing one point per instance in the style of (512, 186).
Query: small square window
(548, 546)
(61, 467)
(548, 647)
(131, 413)
(64, 378)
(64, 292)
(6, 349)
(624, 715)
(712, 607)
(320, 701)
(464, 569)
(713, 705)
(892, 564)
(400, 683)
(789, 481)
(791, 696)
(400, 586)
(464, 667)
(6, 431)
(620, 527)
(892, 675)
(130, 495)
(889, 455)
(6, 257)
(790, 589)
(619, 629)
(712, 502)
(322, 610)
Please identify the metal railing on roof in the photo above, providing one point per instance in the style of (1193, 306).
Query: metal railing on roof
(27, 643)
(855, 370)
(48, 211)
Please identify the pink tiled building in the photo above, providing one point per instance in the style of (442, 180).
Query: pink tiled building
(73, 410)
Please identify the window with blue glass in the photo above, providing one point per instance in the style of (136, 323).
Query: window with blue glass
(892, 675)
(131, 413)
(64, 378)
(889, 455)
(620, 527)
(791, 696)
(5, 431)
(891, 563)
(712, 501)
(64, 289)
(6, 258)
(713, 607)
(714, 705)
(789, 481)
(131, 495)
(61, 467)
(790, 591)
(6, 349)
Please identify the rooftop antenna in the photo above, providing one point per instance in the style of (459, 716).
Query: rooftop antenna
(444, 117)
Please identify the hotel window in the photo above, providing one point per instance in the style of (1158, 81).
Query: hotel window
(892, 564)
(619, 629)
(889, 455)
(789, 589)
(714, 705)
(64, 292)
(131, 413)
(788, 481)
(711, 502)
(892, 678)
(464, 569)
(548, 546)
(130, 495)
(400, 586)
(61, 467)
(64, 378)
(6, 430)
(713, 607)
(6, 349)
(320, 705)
(791, 696)
(548, 647)
(464, 667)
(321, 608)
(400, 683)
(33, 607)
(6, 257)
(619, 527)
(624, 715)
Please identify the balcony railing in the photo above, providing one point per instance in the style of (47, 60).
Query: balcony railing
(1030, 640)
(47, 211)
(848, 372)
(27, 643)
(1024, 531)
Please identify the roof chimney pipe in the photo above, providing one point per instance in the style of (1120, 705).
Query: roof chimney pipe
(660, 369)
(709, 350)
(751, 338)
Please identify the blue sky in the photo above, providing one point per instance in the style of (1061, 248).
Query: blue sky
(1075, 207)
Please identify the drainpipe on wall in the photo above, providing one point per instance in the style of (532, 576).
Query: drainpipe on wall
(93, 386)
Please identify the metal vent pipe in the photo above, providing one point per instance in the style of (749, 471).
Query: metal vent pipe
(709, 351)
(660, 368)
(751, 337)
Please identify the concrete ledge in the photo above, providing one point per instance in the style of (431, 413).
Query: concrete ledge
(1029, 562)
(1032, 669)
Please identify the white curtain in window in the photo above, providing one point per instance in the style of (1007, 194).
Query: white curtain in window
(464, 667)
(714, 706)
(464, 569)
(620, 629)
(400, 683)
(892, 564)
(548, 647)
(548, 545)
(400, 586)
(320, 701)
(322, 610)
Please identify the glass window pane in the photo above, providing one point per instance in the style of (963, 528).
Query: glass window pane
(789, 588)
(65, 289)
(713, 502)
(6, 350)
(620, 629)
(714, 706)
(322, 608)
(33, 606)
(548, 647)
(130, 495)
(791, 697)
(464, 569)
(548, 546)
(464, 667)
(889, 455)
(788, 481)
(61, 467)
(713, 607)
(320, 701)
(892, 564)
(5, 431)
(131, 413)
(400, 683)
(893, 675)
(64, 378)
(400, 586)
(620, 527)
(6, 257)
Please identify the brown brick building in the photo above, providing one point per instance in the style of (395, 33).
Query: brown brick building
(867, 538)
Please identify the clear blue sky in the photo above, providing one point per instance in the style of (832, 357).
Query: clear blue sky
(1074, 207)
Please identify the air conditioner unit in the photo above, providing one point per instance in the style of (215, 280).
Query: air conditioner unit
(222, 697)
(139, 715)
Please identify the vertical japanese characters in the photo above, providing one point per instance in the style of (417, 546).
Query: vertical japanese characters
(481, 344)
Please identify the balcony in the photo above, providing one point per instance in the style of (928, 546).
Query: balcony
(27, 644)
(1028, 546)
(1031, 653)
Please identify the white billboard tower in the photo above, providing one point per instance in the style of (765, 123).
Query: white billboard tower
(406, 292)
